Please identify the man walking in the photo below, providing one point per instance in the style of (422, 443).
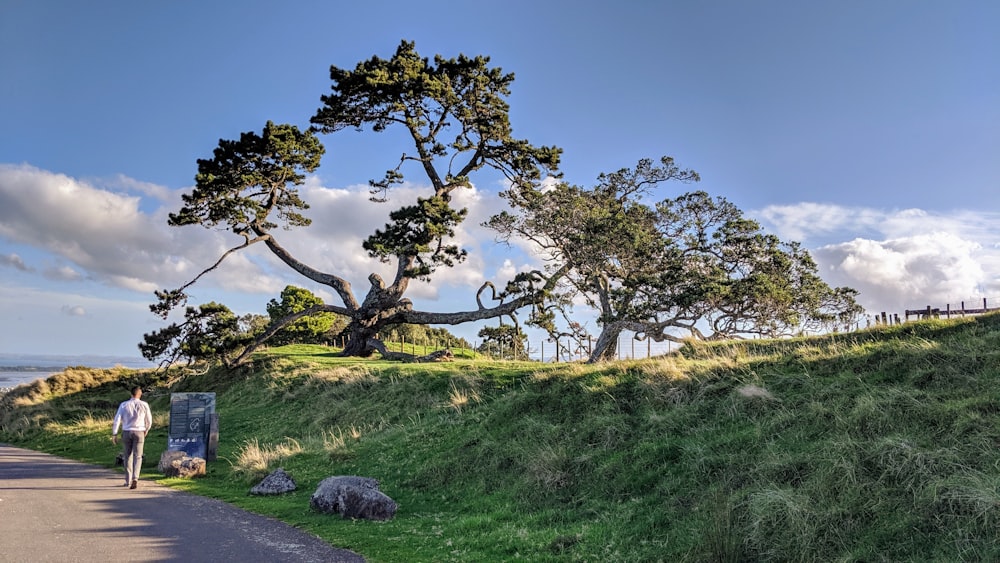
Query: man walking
(135, 420)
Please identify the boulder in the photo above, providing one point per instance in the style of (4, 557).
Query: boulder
(278, 482)
(438, 356)
(178, 464)
(353, 497)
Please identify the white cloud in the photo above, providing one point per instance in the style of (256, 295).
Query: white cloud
(106, 237)
(62, 273)
(507, 270)
(109, 239)
(907, 259)
(155, 191)
(808, 219)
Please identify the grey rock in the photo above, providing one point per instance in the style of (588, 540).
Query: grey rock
(278, 482)
(178, 464)
(438, 356)
(353, 497)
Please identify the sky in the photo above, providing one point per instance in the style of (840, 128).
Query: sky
(867, 131)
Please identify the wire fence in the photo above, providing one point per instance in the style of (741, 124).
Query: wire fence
(631, 348)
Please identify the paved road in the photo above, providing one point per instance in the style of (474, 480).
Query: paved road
(53, 509)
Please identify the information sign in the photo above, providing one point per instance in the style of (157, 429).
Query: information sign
(190, 422)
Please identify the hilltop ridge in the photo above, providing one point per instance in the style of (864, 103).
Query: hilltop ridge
(875, 445)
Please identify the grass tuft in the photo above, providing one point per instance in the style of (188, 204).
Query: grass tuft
(254, 461)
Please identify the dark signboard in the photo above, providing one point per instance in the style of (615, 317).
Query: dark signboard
(191, 416)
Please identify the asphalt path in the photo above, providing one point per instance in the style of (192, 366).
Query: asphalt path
(54, 509)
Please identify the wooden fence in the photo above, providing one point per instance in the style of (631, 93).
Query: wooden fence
(929, 312)
(948, 312)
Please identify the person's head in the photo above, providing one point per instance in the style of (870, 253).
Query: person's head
(137, 392)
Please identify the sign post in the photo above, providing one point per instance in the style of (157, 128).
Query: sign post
(191, 421)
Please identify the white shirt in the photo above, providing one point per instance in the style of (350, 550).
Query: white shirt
(133, 416)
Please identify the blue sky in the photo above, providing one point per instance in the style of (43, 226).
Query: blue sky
(868, 131)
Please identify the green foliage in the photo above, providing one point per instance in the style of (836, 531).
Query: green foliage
(743, 281)
(247, 180)
(314, 328)
(691, 264)
(504, 342)
(423, 335)
(462, 96)
(455, 112)
(209, 332)
(254, 324)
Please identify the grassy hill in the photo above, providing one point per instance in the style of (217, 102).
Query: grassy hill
(881, 445)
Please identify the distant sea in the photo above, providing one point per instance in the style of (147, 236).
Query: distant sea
(16, 369)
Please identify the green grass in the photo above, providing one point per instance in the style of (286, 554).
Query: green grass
(881, 445)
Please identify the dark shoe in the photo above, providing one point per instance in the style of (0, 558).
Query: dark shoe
(125, 485)
(134, 484)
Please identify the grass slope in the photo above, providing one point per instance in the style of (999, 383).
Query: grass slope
(880, 445)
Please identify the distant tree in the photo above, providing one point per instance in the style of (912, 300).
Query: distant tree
(406, 333)
(442, 337)
(254, 324)
(454, 113)
(423, 335)
(692, 265)
(504, 341)
(311, 329)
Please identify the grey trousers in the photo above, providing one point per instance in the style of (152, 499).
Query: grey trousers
(133, 442)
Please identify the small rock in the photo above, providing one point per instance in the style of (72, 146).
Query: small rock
(278, 482)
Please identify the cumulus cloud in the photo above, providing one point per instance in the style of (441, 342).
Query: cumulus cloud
(108, 237)
(907, 259)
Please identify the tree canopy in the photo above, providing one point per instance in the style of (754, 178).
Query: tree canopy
(311, 329)
(454, 112)
(691, 266)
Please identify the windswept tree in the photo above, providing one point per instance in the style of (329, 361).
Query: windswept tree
(455, 114)
(689, 266)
